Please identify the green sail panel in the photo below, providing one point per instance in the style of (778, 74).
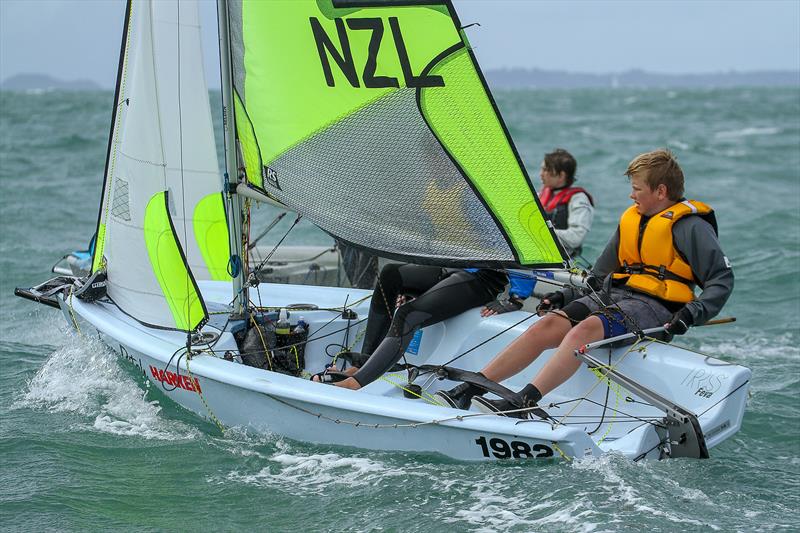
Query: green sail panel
(169, 266)
(373, 121)
(211, 235)
(248, 145)
(492, 166)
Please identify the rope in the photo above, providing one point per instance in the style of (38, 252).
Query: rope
(561, 452)
(269, 255)
(100, 244)
(412, 425)
(72, 311)
(611, 386)
(211, 414)
(596, 383)
(424, 396)
(263, 342)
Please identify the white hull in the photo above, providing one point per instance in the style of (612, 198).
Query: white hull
(270, 402)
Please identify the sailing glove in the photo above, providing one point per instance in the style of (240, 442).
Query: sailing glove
(550, 301)
(504, 305)
(594, 283)
(680, 323)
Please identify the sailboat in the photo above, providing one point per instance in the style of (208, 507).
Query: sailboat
(373, 121)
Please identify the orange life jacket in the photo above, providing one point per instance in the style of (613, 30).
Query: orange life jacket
(649, 262)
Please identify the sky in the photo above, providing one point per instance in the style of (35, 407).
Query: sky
(79, 39)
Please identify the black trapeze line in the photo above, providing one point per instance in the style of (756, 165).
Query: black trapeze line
(605, 403)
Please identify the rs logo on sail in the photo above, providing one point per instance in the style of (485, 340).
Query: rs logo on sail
(344, 59)
(180, 381)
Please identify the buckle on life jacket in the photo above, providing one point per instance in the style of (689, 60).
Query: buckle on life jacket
(633, 269)
(662, 272)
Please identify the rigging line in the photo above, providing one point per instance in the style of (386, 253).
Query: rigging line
(269, 255)
(660, 444)
(412, 425)
(596, 383)
(512, 326)
(693, 350)
(589, 400)
(267, 351)
(183, 184)
(177, 368)
(427, 397)
(114, 141)
(203, 399)
(620, 419)
(624, 414)
(605, 402)
(724, 398)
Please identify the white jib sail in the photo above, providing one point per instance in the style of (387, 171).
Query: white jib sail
(163, 143)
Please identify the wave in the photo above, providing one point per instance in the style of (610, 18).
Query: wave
(746, 132)
(83, 377)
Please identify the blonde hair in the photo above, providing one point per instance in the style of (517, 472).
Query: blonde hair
(656, 168)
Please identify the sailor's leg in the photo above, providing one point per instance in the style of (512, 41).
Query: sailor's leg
(546, 333)
(452, 296)
(563, 364)
(395, 279)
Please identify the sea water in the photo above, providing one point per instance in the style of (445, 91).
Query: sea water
(86, 444)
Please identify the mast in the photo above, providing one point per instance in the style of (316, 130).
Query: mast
(235, 215)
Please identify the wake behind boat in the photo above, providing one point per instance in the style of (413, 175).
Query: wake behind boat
(404, 154)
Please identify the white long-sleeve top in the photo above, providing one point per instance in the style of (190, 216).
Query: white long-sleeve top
(580, 214)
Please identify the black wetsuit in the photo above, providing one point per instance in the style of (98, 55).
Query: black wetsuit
(440, 293)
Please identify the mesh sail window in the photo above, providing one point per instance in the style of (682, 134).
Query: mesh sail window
(162, 220)
(372, 120)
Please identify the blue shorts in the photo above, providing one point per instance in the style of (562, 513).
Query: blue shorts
(613, 324)
(626, 311)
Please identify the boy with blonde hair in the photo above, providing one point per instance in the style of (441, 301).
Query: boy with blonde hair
(663, 247)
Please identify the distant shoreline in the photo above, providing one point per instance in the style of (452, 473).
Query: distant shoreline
(633, 79)
(514, 78)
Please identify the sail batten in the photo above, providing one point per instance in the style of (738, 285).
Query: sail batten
(372, 120)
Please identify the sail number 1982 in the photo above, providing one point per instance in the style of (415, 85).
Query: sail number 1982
(516, 448)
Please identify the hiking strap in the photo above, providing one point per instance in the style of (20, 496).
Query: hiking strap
(473, 378)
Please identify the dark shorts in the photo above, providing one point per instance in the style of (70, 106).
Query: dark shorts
(624, 311)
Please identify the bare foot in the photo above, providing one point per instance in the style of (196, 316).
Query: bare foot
(349, 383)
(347, 371)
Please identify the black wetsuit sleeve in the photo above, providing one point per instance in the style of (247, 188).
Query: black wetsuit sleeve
(696, 241)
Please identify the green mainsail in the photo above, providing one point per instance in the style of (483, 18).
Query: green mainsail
(373, 121)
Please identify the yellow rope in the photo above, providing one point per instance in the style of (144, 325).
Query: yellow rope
(358, 337)
(566, 457)
(613, 387)
(203, 398)
(424, 396)
(263, 342)
(296, 357)
(72, 311)
(633, 347)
